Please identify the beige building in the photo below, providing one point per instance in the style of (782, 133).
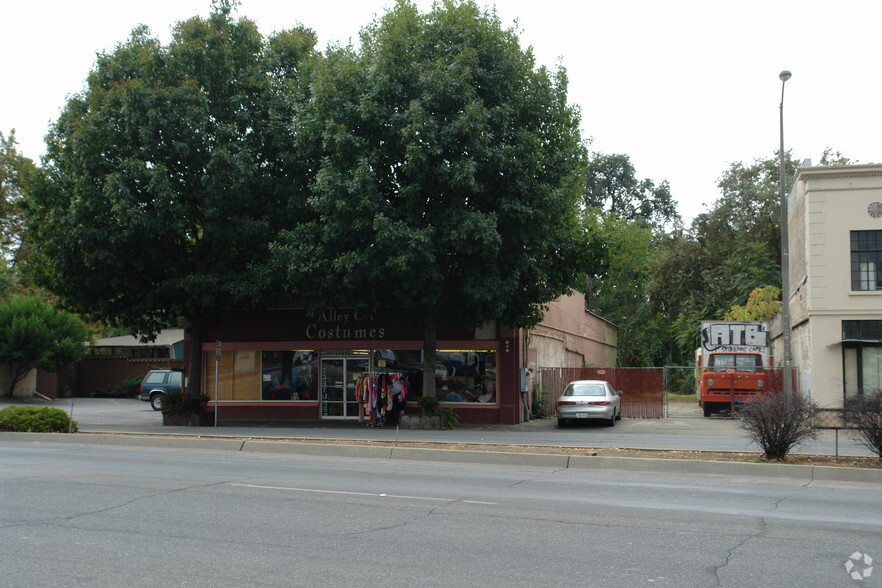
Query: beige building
(835, 235)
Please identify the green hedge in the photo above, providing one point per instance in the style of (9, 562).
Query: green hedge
(36, 419)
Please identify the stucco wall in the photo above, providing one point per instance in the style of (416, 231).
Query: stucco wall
(830, 203)
(569, 336)
(26, 387)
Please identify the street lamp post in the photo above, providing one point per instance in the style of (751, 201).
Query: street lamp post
(785, 255)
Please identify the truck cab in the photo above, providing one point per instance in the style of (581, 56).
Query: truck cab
(730, 378)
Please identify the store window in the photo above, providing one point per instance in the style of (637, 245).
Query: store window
(289, 375)
(252, 375)
(866, 260)
(862, 356)
(465, 375)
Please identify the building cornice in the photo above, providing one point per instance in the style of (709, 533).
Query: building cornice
(839, 171)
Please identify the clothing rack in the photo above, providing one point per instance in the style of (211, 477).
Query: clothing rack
(380, 395)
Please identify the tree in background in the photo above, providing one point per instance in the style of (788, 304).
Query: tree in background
(748, 210)
(835, 157)
(611, 185)
(170, 174)
(14, 168)
(450, 175)
(762, 305)
(618, 291)
(33, 334)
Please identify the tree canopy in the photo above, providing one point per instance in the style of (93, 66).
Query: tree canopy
(170, 174)
(451, 169)
(611, 185)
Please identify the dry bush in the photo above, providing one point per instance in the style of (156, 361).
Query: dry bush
(863, 414)
(779, 422)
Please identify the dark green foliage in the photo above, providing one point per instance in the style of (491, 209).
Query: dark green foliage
(33, 334)
(171, 173)
(611, 185)
(36, 419)
(14, 170)
(864, 414)
(126, 388)
(182, 403)
(658, 287)
(779, 422)
(450, 174)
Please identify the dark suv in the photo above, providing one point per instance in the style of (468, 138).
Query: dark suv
(157, 382)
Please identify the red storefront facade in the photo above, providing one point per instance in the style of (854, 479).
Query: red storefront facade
(285, 364)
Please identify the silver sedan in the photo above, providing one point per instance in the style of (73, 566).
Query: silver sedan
(589, 399)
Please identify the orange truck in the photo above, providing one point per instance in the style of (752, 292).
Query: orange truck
(732, 363)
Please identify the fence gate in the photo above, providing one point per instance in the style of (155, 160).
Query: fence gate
(642, 388)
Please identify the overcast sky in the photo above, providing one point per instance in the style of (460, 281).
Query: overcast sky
(683, 88)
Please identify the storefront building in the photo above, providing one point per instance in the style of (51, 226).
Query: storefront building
(284, 365)
(287, 365)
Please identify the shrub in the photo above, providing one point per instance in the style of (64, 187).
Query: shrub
(36, 419)
(864, 415)
(180, 403)
(125, 388)
(779, 422)
(431, 407)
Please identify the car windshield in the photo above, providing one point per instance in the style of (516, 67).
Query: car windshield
(743, 362)
(585, 390)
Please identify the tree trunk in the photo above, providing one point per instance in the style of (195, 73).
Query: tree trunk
(17, 373)
(429, 353)
(194, 363)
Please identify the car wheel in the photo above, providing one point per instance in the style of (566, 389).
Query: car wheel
(619, 415)
(612, 420)
(561, 423)
(156, 401)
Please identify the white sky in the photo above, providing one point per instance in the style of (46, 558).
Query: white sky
(683, 87)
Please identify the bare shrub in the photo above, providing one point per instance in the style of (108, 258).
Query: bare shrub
(863, 414)
(779, 422)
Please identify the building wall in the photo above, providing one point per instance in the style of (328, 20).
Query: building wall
(827, 204)
(26, 387)
(570, 336)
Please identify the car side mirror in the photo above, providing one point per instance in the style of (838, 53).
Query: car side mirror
(619, 392)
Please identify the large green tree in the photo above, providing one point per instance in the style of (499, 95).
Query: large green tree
(33, 334)
(171, 172)
(450, 175)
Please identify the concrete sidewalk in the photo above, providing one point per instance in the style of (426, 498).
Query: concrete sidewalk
(130, 422)
(686, 429)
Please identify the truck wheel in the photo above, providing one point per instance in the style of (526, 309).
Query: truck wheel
(707, 409)
(156, 401)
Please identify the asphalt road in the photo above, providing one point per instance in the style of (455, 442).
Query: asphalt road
(96, 517)
(687, 429)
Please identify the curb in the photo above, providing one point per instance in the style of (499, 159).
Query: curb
(807, 473)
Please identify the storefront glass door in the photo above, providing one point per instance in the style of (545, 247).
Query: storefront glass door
(339, 376)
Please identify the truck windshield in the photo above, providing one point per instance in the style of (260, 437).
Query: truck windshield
(742, 362)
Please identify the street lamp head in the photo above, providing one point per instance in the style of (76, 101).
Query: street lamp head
(785, 75)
